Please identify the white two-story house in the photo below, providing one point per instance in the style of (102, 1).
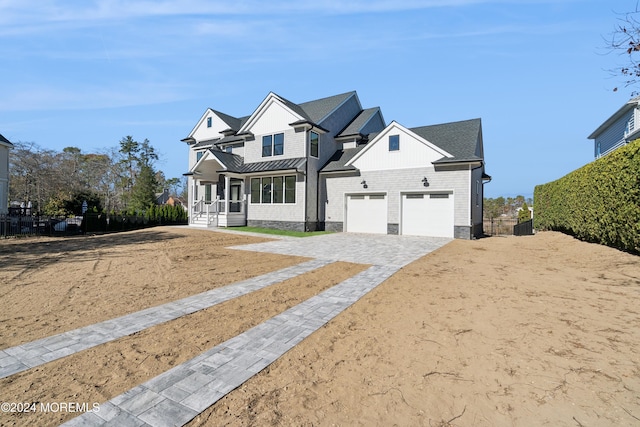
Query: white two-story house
(618, 130)
(5, 146)
(330, 164)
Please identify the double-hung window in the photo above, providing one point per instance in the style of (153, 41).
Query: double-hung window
(273, 145)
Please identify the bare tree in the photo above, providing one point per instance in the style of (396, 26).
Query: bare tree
(625, 40)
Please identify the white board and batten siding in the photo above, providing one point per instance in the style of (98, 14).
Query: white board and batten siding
(203, 132)
(413, 152)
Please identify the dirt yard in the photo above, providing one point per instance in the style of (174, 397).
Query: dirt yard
(540, 330)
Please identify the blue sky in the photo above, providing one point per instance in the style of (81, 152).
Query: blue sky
(86, 73)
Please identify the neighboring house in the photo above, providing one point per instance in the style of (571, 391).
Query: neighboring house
(618, 130)
(330, 164)
(177, 201)
(162, 198)
(5, 146)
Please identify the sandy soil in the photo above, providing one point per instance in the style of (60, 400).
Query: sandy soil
(49, 286)
(540, 330)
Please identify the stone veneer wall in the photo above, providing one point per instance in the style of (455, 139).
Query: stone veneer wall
(462, 232)
(284, 225)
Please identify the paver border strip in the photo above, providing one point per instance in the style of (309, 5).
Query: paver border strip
(35, 353)
(177, 396)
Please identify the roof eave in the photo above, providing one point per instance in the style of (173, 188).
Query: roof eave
(352, 169)
(450, 161)
(621, 111)
(358, 136)
(308, 125)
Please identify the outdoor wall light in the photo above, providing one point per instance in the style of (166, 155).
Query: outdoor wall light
(364, 184)
(425, 182)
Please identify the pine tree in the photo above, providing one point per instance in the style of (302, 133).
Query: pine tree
(143, 193)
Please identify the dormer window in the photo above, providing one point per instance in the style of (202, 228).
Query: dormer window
(394, 142)
(208, 122)
(273, 145)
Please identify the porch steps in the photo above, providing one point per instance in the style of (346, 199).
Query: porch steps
(200, 221)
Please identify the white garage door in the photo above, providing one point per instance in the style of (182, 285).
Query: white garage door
(367, 213)
(427, 214)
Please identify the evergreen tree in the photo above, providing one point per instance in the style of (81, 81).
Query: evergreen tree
(524, 214)
(143, 193)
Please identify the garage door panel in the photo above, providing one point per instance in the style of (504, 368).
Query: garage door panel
(367, 213)
(427, 214)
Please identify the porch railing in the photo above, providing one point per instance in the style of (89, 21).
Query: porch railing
(210, 211)
(198, 207)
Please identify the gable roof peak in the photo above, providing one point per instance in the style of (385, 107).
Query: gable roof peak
(319, 109)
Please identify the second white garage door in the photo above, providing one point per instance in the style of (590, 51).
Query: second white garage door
(427, 214)
(367, 213)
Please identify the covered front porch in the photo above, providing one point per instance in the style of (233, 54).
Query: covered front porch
(217, 196)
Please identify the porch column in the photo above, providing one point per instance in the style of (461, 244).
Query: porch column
(192, 202)
(227, 193)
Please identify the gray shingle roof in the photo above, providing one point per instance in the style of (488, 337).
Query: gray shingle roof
(318, 109)
(337, 162)
(461, 139)
(295, 107)
(235, 163)
(233, 122)
(355, 127)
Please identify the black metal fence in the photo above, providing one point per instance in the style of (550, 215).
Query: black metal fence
(499, 226)
(38, 225)
(524, 228)
(20, 224)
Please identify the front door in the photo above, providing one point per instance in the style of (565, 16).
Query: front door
(235, 197)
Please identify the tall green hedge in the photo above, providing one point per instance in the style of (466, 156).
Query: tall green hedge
(599, 202)
(154, 215)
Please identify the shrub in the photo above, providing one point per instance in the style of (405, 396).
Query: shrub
(524, 214)
(599, 202)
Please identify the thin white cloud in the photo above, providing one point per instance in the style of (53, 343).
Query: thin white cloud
(16, 13)
(43, 97)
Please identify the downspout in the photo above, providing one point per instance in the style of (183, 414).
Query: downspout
(318, 202)
(306, 180)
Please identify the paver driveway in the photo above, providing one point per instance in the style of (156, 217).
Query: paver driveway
(178, 395)
(375, 249)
